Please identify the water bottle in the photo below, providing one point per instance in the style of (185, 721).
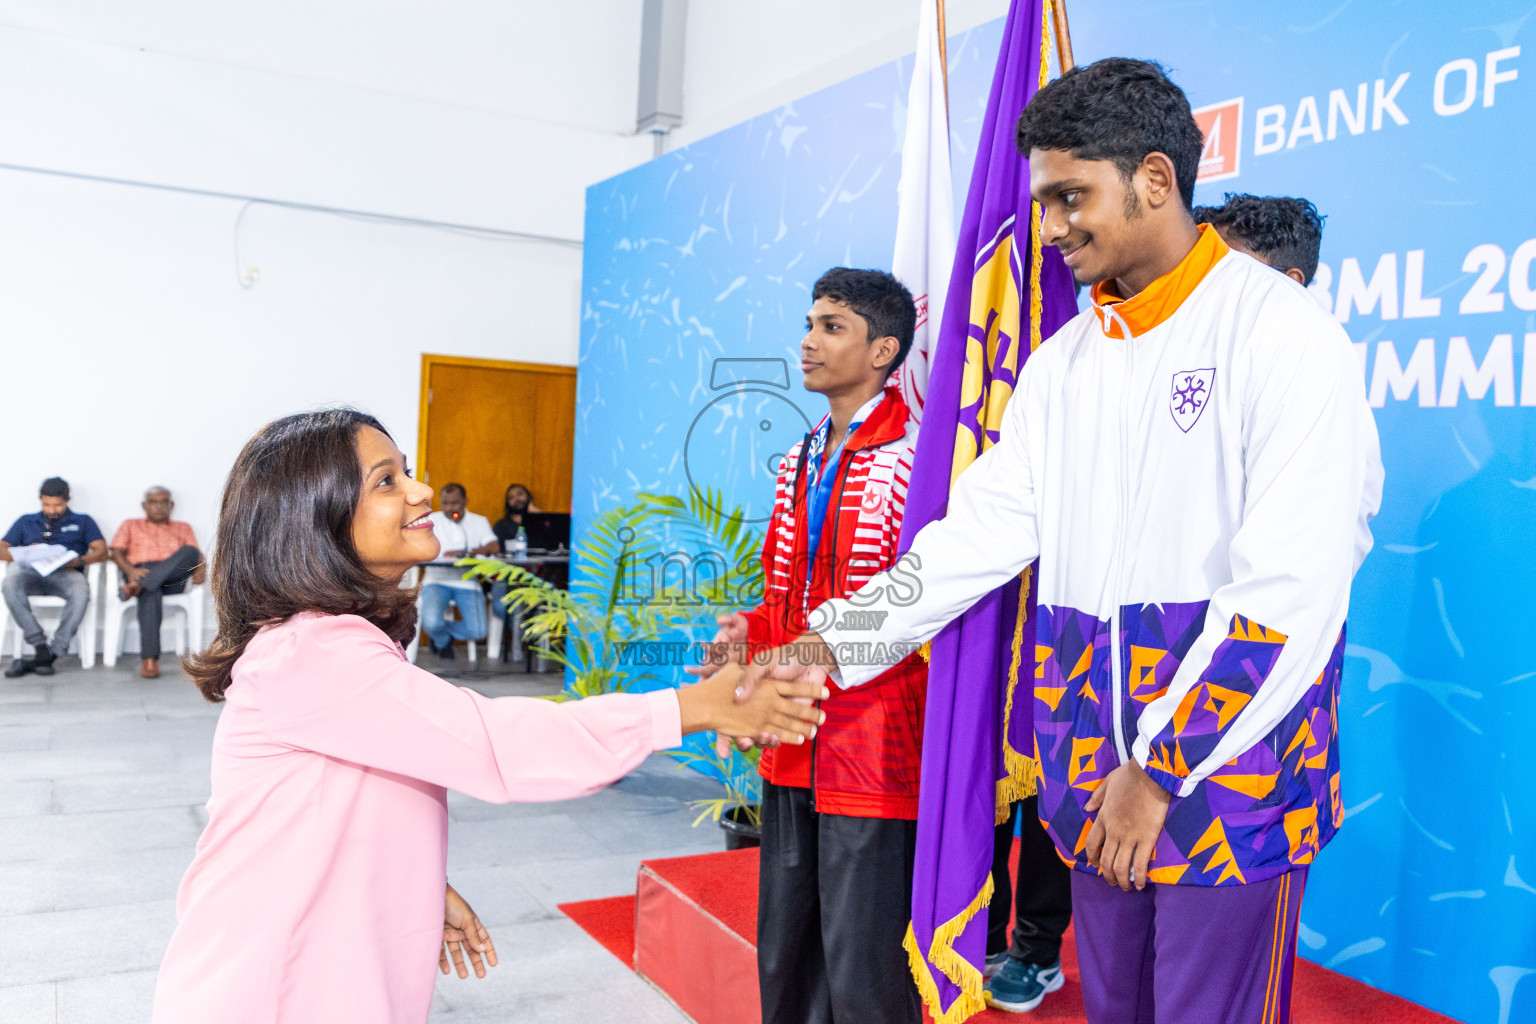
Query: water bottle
(520, 544)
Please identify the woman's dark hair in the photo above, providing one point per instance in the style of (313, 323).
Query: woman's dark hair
(285, 540)
(1116, 109)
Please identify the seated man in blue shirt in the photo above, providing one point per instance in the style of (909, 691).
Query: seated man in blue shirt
(55, 524)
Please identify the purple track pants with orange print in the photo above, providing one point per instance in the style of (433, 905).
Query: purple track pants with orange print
(1187, 954)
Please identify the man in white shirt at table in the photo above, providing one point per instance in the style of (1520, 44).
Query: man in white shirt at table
(460, 532)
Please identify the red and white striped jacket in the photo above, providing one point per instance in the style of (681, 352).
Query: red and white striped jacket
(864, 760)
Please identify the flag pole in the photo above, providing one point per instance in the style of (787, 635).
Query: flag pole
(1063, 34)
(943, 58)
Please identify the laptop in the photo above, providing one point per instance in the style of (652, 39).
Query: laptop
(547, 531)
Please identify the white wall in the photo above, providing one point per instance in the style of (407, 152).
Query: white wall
(488, 112)
(744, 59)
(135, 357)
(132, 354)
(146, 361)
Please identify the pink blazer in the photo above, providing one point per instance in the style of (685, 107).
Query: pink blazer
(316, 893)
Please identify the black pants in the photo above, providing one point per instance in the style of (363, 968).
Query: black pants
(167, 577)
(1043, 899)
(834, 900)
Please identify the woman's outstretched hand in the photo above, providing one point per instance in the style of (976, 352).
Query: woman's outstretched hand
(782, 709)
(729, 645)
(805, 661)
(462, 931)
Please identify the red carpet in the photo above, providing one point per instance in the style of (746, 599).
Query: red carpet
(723, 887)
(723, 884)
(610, 921)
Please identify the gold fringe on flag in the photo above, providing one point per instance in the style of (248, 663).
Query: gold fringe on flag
(1021, 771)
(1022, 775)
(956, 968)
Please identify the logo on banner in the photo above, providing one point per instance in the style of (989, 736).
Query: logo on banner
(921, 302)
(1221, 125)
(1191, 393)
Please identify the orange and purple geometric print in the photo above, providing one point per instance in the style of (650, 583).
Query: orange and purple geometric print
(1238, 668)
(1270, 808)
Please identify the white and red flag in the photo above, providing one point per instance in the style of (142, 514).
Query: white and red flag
(925, 217)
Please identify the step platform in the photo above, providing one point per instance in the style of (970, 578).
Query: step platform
(690, 931)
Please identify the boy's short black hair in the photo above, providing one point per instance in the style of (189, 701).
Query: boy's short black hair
(884, 302)
(1286, 230)
(454, 489)
(1116, 109)
(54, 487)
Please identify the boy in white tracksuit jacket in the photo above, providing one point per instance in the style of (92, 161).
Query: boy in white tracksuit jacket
(1193, 463)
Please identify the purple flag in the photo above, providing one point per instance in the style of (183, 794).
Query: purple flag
(978, 753)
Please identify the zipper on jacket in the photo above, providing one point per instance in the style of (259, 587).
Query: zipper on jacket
(795, 500)
(845, 462)
(1116, 660)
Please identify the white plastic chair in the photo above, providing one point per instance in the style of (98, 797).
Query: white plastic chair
(535, 659)
(411, 578)
(50, 609)
(493, 630)
(191, 603)
(414, 647)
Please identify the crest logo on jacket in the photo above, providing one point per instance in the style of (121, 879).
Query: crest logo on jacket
(1191, 394)
(874, 498)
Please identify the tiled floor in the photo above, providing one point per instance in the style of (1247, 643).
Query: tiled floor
(102, 782)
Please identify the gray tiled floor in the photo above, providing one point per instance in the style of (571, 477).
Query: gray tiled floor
(102, 782)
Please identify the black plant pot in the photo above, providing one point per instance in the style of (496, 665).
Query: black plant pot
(740, 833)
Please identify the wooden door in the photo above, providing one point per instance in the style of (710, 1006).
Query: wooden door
(488, 424)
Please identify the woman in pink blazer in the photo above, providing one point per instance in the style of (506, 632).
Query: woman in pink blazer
(319, 889)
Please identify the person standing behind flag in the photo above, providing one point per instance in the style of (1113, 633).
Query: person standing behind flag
(1025, 967)
(839, 813)
(1283, 232)
(1194, 464)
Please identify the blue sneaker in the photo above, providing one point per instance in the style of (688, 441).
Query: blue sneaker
(1018, 987)
(994, 964)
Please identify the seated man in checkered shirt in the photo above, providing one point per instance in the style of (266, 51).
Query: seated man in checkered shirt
(157, 556)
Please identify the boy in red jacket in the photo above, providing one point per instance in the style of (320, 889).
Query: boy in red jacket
(839, 813)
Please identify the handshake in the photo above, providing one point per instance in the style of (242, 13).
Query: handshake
(789, 679)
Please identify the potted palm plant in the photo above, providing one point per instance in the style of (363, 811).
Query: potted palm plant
(590, 626)
(624, 595)
(736, 582)
(739, 812)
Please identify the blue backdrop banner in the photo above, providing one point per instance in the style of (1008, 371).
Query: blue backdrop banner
(1410, 125)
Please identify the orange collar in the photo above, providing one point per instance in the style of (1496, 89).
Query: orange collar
(1128, 318)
